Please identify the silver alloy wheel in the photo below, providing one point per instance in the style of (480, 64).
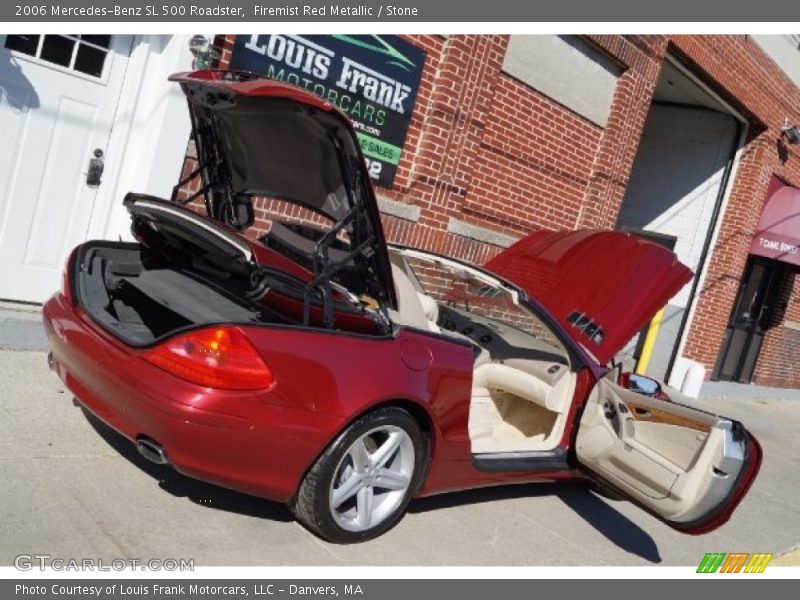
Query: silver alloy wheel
(372, 478)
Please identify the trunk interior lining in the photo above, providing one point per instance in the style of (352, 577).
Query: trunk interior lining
(140, 297)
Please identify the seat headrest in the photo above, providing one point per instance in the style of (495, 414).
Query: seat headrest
(409, 308)
(430, 306)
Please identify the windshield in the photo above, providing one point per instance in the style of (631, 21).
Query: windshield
(470, 301)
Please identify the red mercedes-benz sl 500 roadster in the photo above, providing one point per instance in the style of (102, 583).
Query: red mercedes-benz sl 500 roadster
(321, 367)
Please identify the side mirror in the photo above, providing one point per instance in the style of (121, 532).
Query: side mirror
(643, 385)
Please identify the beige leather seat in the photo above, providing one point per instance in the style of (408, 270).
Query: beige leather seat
(430, 307)
(502, 378)
(515, 411)
(414, 308)
(417, 309)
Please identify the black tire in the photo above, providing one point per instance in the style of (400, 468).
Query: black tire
(312, 507)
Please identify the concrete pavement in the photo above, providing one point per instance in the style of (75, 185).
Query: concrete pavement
(21, 327)
(74, 489)
(727, 389)
(789, 559)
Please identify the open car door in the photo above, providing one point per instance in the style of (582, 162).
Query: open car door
(688, 467)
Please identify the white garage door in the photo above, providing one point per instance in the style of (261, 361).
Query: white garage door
(58, 98)
(676, 179)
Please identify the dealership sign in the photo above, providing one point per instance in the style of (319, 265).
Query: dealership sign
(374, 79)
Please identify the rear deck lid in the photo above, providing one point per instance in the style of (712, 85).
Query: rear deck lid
(260, 138)
(602, 286)
(173, 229)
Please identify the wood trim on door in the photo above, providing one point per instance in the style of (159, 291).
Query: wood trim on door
(661, 416)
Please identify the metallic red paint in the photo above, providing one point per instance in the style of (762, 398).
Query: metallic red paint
(617, 279)
(263, 441)
(260, 86)
(243, 440)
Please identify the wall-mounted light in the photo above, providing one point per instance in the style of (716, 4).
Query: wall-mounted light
(791, 132)
(203, 52)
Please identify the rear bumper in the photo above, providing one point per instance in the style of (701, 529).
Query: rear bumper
(250, 442)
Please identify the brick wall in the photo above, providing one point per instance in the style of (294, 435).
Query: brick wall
(489, 151)
(485, 150)
(739, 71)
(780, 353)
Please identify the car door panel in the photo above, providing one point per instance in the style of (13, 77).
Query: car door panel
(680, 444)
(622, 463)
(682, 464)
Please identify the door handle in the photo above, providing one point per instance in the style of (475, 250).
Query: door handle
(96, 167)
(642, 413)
(609, 411)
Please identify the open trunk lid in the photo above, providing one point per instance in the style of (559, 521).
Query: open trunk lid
(260, 138)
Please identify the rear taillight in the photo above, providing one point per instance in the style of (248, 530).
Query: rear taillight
(217, 357)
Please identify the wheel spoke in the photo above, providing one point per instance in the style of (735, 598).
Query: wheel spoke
(387, 449)
(347, 489)
(372, 479)
(361, 457)
(389, 480)
(364, 506)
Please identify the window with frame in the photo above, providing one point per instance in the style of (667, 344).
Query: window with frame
(80, 53)
(568, 69)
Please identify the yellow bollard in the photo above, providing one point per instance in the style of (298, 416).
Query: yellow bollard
(649, 343)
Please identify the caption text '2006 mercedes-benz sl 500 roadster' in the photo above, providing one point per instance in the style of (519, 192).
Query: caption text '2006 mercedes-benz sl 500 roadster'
(321, 367)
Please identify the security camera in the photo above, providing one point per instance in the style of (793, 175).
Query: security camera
(791, 133)
(198, 44)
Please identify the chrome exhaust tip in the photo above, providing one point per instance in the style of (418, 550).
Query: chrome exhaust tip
(152, 451)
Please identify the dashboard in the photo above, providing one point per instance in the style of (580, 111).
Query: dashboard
(501, 341)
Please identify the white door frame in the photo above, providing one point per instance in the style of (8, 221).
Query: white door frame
(47, 201)
(149, 132)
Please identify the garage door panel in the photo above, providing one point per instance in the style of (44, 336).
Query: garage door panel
(677, 175)
(675, 183)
